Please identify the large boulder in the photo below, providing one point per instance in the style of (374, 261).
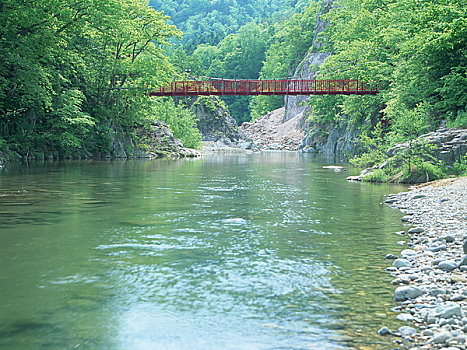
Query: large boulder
(154, 140)
(217, 125)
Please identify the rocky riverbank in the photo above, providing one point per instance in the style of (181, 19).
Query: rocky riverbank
(431, 274)
(272, 132)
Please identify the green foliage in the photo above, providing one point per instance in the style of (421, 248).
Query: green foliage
(290, 41)
(71, 70)
(460, 166)
(180, 120)
(421, 171)
(211, 103)
(209, 22)
(416, 50)
(372, 148)
(378, 175)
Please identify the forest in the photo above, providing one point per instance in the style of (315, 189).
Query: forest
(75, 71)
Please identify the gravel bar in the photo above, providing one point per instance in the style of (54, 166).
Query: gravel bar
(431, 274)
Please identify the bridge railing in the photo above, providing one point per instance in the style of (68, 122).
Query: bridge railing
(266, 87)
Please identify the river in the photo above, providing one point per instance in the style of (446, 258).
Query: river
(264, 251)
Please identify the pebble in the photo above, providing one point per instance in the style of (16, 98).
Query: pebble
(447, 265)
(401, 263)
(407, 331)
(406, 293)
(440, 338)
(416, 230)
(430, 278)
(404, 317)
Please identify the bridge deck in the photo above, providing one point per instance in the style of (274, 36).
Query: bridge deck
(267, 87)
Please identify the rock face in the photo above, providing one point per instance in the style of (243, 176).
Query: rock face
(450, 144)
(214, 121)
(153, 141)
(333, 140)
(306, 69)
(328, 139)
(218, 128)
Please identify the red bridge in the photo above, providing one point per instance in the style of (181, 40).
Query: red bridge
(266, 87)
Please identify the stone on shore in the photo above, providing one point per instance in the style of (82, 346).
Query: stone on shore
(407, 331)
(431, 292)
(446, 311)
(440, 338)
(447, 265)
(416, 230)
(401, 263)
(407, 292)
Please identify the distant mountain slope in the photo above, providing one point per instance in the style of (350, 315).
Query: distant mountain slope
(208, 22)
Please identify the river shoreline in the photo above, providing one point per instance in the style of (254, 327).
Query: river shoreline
(430, 275)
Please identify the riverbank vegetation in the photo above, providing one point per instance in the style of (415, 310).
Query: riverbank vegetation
(417, 52)
(75, 73)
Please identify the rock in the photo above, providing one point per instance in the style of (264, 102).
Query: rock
(436, 248)
(408, 253)
(457, 278)
(401, 263)
(390, 201)
(427, 333)
(401, 280)
(391, 256)
(458, 297)
(464, 247)
(449, 239)
(406, 331)
(416, 230)
(446, 311)
(406, 293)
(214, 121)
(404, 317)
(418, 196)
(447, 265)
(384, 331)
(463, 261)
(406, 218)
(437, 291)
(440, 338)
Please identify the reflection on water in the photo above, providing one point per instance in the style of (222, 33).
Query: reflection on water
(265, 251)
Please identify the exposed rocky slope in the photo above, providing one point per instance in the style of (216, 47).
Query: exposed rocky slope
(328, 139)
(271, 133)
(431, 275)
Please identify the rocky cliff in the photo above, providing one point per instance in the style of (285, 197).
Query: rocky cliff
(216, 125)
(329, 139)
(295, 105)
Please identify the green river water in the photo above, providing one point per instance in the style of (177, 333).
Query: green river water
(266, 251)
